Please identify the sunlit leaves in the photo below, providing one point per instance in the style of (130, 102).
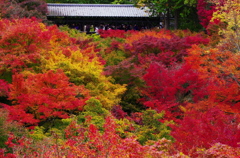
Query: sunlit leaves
(20, 44)
(44, 96)
(229, 13)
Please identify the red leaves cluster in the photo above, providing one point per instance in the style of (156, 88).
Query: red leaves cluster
(118, 112)
(113, 46)
(204, 129)
(150, 44)
(168, 87)
(205, 11)
(101, 145)
(111, 33)
(220, 70)
(21, 44)
(114, 33)
(197, 39)
(43, 96)
(164, 50)
(24, 41)
(4, 88)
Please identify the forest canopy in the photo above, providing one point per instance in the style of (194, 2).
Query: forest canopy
(142, 94)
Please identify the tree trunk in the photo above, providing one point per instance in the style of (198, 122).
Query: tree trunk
(167, 20)
(176, 19)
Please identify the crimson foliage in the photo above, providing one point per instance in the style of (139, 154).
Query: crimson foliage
(168, 87)
(114, 33)
(165, 50)
(39, 97)
(205, 11)
(4, 88)
(204, 129)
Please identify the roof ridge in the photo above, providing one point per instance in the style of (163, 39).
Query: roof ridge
(97, 10)
(90, 5)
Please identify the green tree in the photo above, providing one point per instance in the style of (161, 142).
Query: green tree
(183, 11)
(122, 2)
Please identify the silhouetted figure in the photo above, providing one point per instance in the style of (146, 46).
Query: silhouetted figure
(88, 29)
(136, 27)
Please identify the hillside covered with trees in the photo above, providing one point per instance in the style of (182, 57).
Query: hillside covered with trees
(129, 94)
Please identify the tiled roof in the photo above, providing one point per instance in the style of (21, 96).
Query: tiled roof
(96, 10)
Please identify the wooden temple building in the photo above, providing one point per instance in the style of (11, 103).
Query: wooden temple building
(114, 15)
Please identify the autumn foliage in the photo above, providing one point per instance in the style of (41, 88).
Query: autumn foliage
(207, 128)
(44, 96)
(15, 9)
(150, 93)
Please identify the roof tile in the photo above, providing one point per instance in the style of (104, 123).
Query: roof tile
(97, 10)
